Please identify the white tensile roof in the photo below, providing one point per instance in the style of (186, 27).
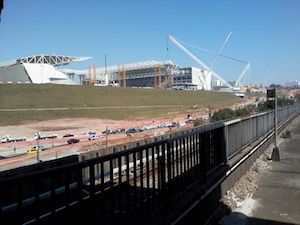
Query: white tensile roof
(55, 60)
(114, 69)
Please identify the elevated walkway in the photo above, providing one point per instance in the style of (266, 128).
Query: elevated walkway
(277, 199)
(278, 195)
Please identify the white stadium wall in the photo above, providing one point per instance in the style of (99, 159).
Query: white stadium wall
(199, 76)
(45, 73)
(33, 73)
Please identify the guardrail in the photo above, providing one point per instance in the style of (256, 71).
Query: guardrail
(136, 182)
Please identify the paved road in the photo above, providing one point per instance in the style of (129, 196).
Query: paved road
(278, 195)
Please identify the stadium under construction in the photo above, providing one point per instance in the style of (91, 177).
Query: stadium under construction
(146, 74)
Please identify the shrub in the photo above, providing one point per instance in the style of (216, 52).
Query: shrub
(223, 114)
(198, 122)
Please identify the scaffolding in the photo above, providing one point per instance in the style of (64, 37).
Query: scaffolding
(92, 78)
(90, 75)
(169, 78)
(152, 74)
(94, 73)
(157, 76)
(122, 75)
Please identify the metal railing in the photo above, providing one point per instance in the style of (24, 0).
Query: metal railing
(146, 179)
(242, 132)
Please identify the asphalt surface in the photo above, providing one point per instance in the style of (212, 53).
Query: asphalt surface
(278, 195)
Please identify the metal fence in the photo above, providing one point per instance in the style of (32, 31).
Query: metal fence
(144, 179)
(130, 184)
(242, 132)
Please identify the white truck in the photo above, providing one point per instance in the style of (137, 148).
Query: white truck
(7, 139)
(38, 136)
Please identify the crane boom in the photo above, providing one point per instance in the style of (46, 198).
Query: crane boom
(190, 55)
(199, 62)
(238, 81)
(220, 50)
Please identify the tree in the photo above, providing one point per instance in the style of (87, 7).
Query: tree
(297, 98)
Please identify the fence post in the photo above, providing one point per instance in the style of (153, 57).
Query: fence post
(225, 145)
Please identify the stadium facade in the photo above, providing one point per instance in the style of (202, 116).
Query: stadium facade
(37, 69)
(147, 74)
(41, 69)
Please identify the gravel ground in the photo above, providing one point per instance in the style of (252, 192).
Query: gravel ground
(246, 185)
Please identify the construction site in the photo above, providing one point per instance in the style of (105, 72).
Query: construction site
(45, 68)
(143, 99)
(164, 74)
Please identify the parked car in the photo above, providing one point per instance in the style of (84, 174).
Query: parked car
(94, 137)
(119, 130)
(34, 149)
(167, 124)
(68, 135)
(134, 130)
(150, 127)
(91, 133)
(73, 141)
(108, 132)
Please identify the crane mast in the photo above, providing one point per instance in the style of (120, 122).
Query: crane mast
(238, 81)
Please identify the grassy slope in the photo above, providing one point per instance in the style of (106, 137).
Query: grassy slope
(48, 96)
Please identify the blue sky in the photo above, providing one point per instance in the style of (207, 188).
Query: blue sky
(265, 33)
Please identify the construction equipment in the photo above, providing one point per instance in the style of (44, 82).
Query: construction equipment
(220, 50)
(210, 69)
(198, 61)
(238, 81)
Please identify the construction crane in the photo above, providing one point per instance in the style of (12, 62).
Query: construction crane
(238, 81)
(220, 50)
(198, 61)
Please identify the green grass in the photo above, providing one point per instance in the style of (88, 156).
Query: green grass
(19, 96)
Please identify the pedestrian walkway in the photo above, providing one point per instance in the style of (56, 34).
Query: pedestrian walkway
(278, 195)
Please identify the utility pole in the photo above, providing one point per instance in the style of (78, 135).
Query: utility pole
(272, 102)
(106, 138)
(38, 147)
(106, 75)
